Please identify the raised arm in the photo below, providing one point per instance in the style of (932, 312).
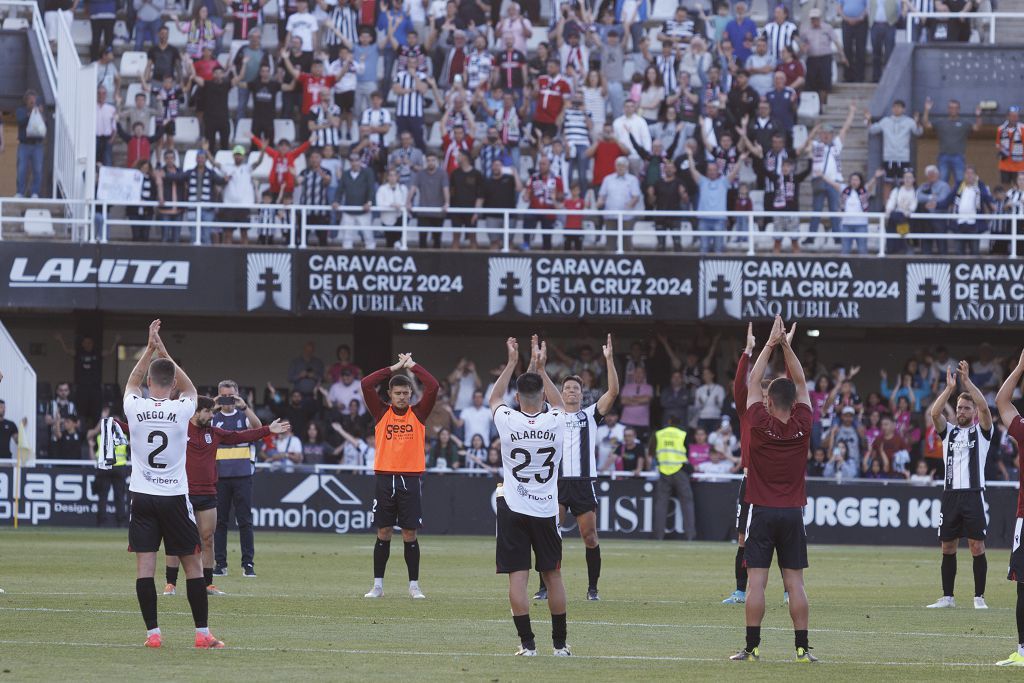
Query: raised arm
(739, 382)
(501, 384)
(430, 388)
(607, 400)
(937, 410)
(754, 393)
(133, 386)
(794, 368)
(181, 380)
(369, 385)
(538, 364)
(984, 412)
(1007, 411)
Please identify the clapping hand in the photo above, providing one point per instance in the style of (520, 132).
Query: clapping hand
(513, 349)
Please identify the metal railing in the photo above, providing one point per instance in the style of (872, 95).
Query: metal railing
(271, 468)
(918, 18)
(615, 229)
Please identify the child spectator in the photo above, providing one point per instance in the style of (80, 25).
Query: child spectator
(574, 221)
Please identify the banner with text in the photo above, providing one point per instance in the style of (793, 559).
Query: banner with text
(875, 514)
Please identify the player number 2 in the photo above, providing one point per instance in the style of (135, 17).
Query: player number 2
(153, 438)
(549, 463)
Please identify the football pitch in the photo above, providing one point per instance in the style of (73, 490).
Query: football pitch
(70, 612)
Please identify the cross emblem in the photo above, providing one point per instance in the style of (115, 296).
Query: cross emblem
(928, 294)
(509, 289)
(269, 283)
(719, 292)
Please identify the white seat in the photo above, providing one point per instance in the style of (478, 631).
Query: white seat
(225, 158)
(262, 172)
(270, 10)
(799, 135)
(186, 130)
(133, 64)
(222, 59)
(434, 138)
(133, 90)
(243, 132)
(284, 129)
(644, 241)
(390, 137)
(654, 45)
(236, 45)
(81, 32)
(628, 69)
(757, 200)
(538, 36)
(38, 223)
(189, 162)
(270, 39)
(663, 10)
(810, 105)
(121, 33)
(175, 36)
(300, 164)
(15, 24)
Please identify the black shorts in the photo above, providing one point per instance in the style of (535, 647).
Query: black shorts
(819, 73)
(963, 514)
(518, 534)
(775, 529)
(203, 502)
(345, 100)
(162, 518)
(577, 496)
(397, 501)
(550, 129)
(742, 507)
(1016, 572)
(894, 171)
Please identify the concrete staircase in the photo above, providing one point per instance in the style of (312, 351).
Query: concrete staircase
(855, 147)
(1009, 31)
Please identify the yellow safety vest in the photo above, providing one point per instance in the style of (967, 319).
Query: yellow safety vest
(120, 452)
(671, 450)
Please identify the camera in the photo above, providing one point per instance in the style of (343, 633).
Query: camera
(225, 400)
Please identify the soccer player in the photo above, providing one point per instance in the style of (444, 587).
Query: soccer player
(201, 468)
(1015, 426)
(399, 464)
(527, 509)
(780, 435)
(739, 393)
(965, 449)
(579, 460)
(159, 488)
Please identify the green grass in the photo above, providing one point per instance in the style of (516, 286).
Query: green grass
(70, 613)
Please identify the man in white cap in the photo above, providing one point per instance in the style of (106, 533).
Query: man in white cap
(818, 39)
(239, 194)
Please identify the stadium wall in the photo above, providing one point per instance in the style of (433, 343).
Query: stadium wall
(836, 512)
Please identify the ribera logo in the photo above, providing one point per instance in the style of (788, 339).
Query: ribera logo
(104, 273)
(510, 285)
(269, 281)
(928, 286)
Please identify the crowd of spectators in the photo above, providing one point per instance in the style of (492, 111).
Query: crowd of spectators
(448, 108)
(863, 427)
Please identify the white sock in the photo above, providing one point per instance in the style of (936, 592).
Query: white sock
(379, 583)
(1020, 648)
(205, 631)
(152, 631)
(414, 584)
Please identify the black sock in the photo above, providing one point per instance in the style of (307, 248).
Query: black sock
(741, 571)
(381, 553)
(559, 630)
(948, 574)
(145, 589)
(1020, 614)
(208, 575)
(542, 586)
(524, 631)
(801, 638)
(980, 574)
(172, 575)
(753, 637)
(593, 566)
(412, 559)
(198, 601)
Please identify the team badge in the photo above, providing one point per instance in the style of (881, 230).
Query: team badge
(208, 439)
(581, 416)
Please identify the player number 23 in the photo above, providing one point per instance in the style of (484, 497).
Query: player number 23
(161, 439)
(541, 477)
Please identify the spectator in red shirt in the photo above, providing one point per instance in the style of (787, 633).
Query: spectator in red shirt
(604, 152)
(793, 70)
(574, 221)
(543, 191)
(282, 174)
(551, 91)
(315, 86)
(885, 447)
(780, 436)
(458, 141)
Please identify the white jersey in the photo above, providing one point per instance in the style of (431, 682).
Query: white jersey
(531, 450)
(579, 450)
(158, 431)
(965, 450)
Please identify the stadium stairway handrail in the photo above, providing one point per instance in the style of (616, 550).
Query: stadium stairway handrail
(914, 17)
(697, 476)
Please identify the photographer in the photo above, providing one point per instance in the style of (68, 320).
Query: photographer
(235, 467)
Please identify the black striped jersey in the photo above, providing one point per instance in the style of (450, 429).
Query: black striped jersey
(965, 450)
(579, 449)
(779, 36)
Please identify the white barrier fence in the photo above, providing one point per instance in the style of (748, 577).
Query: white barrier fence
(919, 18)
(612, 230)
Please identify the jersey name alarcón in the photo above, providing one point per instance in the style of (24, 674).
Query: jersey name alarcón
(531, 450)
